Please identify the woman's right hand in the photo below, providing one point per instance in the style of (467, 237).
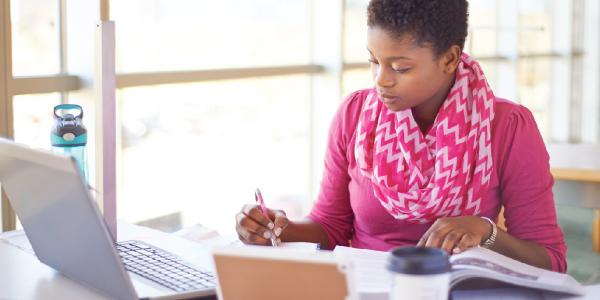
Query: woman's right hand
(254, 228)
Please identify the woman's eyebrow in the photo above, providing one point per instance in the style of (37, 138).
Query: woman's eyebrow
(399, 57)
(391, 58)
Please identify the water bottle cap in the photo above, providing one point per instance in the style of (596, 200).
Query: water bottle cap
(68, 129)
(418, 261)
(63, 107)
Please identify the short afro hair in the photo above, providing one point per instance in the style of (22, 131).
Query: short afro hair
(438, 23)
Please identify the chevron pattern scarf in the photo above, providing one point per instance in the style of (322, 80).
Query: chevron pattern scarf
(421, 178)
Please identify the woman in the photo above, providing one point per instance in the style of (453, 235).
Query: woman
(429, 155)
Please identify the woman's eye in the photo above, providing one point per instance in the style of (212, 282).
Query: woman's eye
(401, 71)
(373, 61)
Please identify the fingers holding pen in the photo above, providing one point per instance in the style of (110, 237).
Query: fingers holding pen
(251, 230)
(280, 221)
(257, 227)
(253, 211)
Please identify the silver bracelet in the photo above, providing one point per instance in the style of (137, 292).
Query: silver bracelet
(492, 238)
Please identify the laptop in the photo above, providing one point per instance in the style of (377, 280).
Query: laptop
(67, 232)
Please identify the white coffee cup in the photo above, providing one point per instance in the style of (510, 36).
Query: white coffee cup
(419, 273)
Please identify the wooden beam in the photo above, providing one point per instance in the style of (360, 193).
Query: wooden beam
(44, 84)
(9, 219)
(154, 78)
(104, 10)
(587, 175)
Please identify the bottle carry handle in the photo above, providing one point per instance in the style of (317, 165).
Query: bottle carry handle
(66, 107)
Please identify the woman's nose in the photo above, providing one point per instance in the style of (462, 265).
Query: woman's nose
(383, 78)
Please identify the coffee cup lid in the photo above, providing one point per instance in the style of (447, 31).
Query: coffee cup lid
(418, 261)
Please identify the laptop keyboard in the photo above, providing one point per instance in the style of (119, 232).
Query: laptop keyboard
(163, 267)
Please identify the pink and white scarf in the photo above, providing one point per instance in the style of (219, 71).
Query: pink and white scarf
(445, 173)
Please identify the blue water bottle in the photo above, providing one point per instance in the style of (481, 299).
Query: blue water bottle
(69, 136)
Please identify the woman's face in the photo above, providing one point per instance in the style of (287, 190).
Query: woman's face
(406, 75)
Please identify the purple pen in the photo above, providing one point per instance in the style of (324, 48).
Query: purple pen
(259, 199)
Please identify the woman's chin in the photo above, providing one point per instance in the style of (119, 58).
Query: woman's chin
(395, 106)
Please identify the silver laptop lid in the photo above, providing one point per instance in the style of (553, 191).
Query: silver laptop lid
(61, 220)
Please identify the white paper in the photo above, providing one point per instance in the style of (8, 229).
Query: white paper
(18, 238)
(211, 238)
(370, 271)
(300, 245)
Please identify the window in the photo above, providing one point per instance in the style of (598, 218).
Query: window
(177, 140)
(33, 118)
(482, 38)
(35, 37)
(357, 79)
(162, 35)
(200, 150)
(355, 31)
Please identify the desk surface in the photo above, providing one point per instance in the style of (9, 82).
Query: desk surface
(22, 276)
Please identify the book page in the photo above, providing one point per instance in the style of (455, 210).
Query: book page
(485, 259)
(481, 262)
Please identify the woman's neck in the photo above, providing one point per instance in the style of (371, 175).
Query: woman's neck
(425, 113)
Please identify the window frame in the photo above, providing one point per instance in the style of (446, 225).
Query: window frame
(6, 115)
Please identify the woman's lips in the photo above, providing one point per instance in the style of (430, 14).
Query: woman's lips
(387, 99)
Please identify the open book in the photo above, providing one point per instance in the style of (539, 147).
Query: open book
(372, 276)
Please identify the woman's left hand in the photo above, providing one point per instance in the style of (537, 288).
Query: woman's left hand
(456, 234)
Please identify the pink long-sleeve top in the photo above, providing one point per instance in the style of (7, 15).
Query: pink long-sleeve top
(348, 211)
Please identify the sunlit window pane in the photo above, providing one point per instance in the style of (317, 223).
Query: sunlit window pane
(35, 42)
(33, 118)
(355, 31)
(534, 89)
(201, 150)
(190, 34)
(356, 80)
(535, 75)
(535, 22)
(482, 37)
(490, 69)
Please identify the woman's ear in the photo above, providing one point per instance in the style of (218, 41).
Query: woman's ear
(450, 59)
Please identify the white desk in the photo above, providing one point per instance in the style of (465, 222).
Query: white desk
(23, 276)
